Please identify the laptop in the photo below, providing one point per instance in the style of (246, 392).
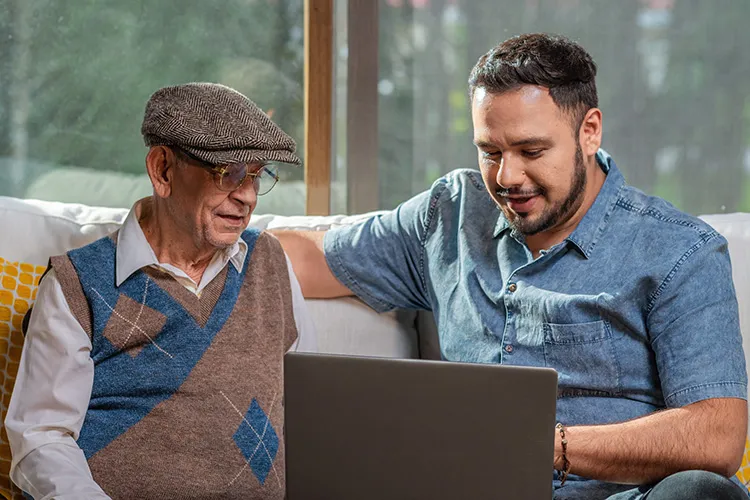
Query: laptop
(380, 428)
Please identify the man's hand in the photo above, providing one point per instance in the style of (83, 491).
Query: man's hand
(707, 435)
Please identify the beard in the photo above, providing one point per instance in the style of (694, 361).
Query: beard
(554, 214)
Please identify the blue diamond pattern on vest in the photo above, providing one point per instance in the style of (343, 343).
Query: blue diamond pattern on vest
(257, 440)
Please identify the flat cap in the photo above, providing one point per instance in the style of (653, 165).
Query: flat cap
(216, 124)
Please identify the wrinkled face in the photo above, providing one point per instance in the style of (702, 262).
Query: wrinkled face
(213, 217)
(530, 157)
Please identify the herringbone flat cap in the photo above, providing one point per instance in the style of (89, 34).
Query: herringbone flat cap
(216, 124)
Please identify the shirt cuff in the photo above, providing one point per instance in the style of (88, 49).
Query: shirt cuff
(697, 393)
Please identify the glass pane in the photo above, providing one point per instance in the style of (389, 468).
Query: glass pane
(75, 78)
(673, 86)
(340, 61)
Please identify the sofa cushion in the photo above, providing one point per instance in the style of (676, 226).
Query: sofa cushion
(32, 230)
(736, 229)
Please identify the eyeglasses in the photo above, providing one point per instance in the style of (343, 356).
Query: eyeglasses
(233, 175)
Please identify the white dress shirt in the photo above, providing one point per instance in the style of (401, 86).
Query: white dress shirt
(56, 373)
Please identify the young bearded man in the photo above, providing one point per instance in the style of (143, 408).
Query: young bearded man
(546, 257)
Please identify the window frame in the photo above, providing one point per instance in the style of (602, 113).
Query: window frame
(318, 116)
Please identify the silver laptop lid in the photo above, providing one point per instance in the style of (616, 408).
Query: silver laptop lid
(377, 428)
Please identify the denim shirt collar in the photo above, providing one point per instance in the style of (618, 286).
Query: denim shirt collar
(586, 234)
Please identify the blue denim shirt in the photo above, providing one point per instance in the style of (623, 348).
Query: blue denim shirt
(636, 309)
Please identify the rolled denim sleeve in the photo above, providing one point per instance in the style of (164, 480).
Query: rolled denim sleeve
(694, 327)
(381, 259)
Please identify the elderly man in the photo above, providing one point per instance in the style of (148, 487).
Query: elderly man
(547, 258)
(152, 366)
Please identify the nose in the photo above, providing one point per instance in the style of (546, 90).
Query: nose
(246, 194)
(510, 173)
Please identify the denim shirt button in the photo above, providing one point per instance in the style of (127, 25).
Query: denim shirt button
(508, 348)
(512, 287)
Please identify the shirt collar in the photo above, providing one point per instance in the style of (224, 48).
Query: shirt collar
(502, 225)
(134, 252)
(585, 235)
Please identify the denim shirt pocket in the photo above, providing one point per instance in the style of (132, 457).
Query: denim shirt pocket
(584, 356)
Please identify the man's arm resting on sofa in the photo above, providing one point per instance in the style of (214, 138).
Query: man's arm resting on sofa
(305, 250)
(706, 435)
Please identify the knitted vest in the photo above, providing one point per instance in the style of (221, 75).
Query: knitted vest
(187, 393)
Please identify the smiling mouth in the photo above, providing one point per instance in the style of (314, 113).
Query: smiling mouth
(233, 219)
(521, 204)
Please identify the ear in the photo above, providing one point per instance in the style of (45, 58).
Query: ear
(160, 166)
(590, 133)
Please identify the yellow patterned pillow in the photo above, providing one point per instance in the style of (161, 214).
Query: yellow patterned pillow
(744, 473)
(18, 284)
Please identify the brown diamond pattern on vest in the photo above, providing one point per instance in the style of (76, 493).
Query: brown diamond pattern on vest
(133, 325)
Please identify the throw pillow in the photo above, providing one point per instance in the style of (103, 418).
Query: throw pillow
(18, 284)
(744, 473)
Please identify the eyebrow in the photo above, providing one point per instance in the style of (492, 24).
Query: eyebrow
(529, 141)
(481, 144)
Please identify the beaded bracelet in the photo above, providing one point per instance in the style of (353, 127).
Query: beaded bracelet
(566, 463)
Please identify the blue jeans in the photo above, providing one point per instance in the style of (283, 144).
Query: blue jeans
(688, 485)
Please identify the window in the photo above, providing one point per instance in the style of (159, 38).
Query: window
(673, 86)
(75, 77)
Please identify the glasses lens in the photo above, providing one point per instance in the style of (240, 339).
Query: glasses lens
(233, 176)
(267, 179)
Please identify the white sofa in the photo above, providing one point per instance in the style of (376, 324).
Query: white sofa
(31, 231)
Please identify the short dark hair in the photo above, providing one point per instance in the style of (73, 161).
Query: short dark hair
(551, 61)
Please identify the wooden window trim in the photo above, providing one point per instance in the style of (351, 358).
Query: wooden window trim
(318, 26)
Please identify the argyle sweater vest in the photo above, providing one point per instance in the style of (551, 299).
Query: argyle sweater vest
(187, 393)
